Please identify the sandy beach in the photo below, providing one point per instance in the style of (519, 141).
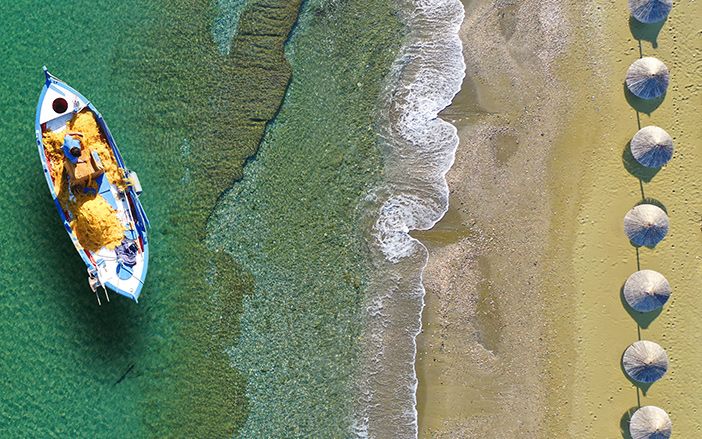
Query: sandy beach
(524, 325)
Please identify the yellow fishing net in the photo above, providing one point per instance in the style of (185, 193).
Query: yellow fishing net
(94, 220)
(53, 142)
(95, 223)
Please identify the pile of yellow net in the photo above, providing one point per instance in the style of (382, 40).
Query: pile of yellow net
(53, 141)
(94, 220)
(95, 223)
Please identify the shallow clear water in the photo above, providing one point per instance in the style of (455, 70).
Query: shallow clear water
(294, 222)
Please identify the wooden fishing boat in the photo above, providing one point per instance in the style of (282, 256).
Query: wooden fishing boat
(96, 195)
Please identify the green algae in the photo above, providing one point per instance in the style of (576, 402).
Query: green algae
(222, 105)
(293, 221)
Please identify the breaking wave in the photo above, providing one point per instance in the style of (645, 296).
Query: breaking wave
(419, 149)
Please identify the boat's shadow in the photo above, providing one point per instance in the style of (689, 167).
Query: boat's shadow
(107, 334)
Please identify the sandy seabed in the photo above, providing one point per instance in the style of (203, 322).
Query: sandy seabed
(524, 324)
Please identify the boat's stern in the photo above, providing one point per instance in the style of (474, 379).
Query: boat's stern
(122, 270)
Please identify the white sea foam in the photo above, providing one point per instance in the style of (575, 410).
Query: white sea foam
(419, 150)
(420, 146)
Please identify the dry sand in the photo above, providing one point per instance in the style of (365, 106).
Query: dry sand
(524, 326)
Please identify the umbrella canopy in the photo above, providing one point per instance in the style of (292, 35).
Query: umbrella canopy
(646, 290)
(646, 224)
(652, 147)
(650, 11)
(647, 78)
(650, 422)
(645, 361)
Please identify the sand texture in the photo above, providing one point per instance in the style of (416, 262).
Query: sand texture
(525, 324)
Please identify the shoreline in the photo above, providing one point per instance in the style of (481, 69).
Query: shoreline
(293, 223)
(418, 148)
(480, 347)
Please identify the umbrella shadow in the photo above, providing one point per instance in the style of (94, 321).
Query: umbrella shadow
(643, 319)
(646, 31)
(624, 422)
(635, 245)
(655, 202)
(646, 106)
(635, 168)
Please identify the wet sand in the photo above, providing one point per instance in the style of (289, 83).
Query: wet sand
(524, 325)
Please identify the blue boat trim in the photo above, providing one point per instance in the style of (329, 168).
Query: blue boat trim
(124, 272)
(105, 190)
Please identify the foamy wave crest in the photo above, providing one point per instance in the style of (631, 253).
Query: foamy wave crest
(419, 150)
(398, 216)
(420, 146)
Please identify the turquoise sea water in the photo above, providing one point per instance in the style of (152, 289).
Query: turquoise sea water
(61, 355)
(249, 326)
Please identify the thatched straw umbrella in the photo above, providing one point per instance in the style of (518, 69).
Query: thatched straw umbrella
(646, 290)
(652, 147)
(645, 361)
(650, 11)
(647, 78)
(646, 224)
(650, 422)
